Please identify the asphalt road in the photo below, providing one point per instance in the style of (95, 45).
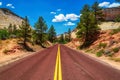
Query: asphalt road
(72, 65)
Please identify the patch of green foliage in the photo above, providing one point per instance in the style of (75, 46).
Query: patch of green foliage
(115, 50)
(100, 53)
(4, 34)
(115, 59)
(102, 45)
(88, 50)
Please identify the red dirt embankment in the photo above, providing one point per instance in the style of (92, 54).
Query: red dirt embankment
(11, 51)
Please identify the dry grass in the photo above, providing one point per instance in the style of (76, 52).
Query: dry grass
(115, 59)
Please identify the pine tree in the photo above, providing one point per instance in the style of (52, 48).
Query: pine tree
(51, 34)
(97, 11)
(87, 28)
(41, 27)
(10, 29)
(62, 38)
(25, 31)
(69, 34)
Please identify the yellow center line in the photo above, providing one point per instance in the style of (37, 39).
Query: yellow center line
(58, 69)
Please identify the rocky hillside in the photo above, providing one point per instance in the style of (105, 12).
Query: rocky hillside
(103, 26)
(108, 43)
(109, 25)
(7, 17)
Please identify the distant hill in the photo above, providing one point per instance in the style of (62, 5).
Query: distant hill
(7, 17)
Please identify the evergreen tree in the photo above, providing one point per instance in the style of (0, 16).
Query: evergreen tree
(117, 19)
(51, 34)
(25, 31)
(10, 29)
(87, 28)
(69, 34)
(14, 28)
(97, 11)
(34, 37)
(41, 27)
(62, 38)
(4, 34)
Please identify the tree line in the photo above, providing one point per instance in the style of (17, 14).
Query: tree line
(39, 34)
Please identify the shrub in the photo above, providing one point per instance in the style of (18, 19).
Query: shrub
(115, 50)
(102, 45)
(100, 53)
(115, 59)
(88, 50)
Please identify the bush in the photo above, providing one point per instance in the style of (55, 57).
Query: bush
(102, 45)
(99, 53)
(115, 59)
(115, 50)
(4, 34)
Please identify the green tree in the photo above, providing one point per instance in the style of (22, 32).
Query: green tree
(14, 28)
(10, 29)
(87, 28)
(34, 37)
(69, 34)
(117, 19)
(41, 27)
(51, 34)
(97, 11)
(25, 31)
(62, 39)
(4, 34)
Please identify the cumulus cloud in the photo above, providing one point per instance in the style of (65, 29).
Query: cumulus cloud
(109, 5)
(72, 17)
(69, 24)
(10, 5)
(114, 5)
(62, 17)
(52, 12)
(104, 4)
(0, 3)
(59, 18)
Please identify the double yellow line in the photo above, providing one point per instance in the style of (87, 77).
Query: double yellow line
(58, 69)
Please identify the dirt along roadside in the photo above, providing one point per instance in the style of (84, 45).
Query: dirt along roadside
(103, 59)
(5, 60)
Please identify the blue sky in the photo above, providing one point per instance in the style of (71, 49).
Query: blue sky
(63, 14)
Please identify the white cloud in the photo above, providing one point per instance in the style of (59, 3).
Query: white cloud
(59, 18)
(10, 5)
(52, 12)
(114, 5)
(72, 17)
(58, 9)
(0, 3)
(62, 17)
(104, 4)
(69, 24)
(109, 5)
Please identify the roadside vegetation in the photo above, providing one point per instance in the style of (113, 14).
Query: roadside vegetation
(92, 39)
(88, 30)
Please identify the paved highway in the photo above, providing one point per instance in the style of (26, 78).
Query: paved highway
(58, 63)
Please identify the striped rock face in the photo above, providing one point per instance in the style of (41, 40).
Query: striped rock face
(7, 17)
